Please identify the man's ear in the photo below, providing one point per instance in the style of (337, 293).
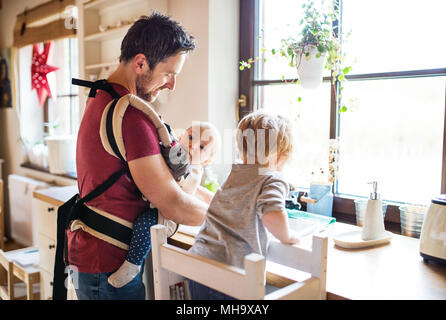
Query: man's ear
(140, 64)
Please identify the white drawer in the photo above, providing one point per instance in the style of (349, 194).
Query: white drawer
(47, 219)
(46, 285)
(47, 251)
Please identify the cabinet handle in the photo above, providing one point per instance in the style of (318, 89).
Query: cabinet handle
(51, 246)
(50, 209)
(51, 283)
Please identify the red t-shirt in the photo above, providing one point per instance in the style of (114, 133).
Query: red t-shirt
(94, 166)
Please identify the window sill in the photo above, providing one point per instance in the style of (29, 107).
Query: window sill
(70, 175)
(344, 211)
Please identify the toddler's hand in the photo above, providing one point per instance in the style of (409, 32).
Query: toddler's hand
(293, 237)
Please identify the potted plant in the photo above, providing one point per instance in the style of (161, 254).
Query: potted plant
(317, 46)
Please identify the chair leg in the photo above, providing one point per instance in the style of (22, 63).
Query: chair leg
(29, 287)
(2, 217)
(160, 276)
(10, 284)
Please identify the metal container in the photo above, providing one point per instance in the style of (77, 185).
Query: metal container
(412, 217)
(360, 208)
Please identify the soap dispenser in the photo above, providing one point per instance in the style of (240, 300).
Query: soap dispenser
(373, 227)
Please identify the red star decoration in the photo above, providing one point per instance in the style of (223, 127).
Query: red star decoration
(39, 70)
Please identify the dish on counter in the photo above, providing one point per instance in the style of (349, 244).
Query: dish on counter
(353, 240)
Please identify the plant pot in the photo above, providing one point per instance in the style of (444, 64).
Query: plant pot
(310, 68)
(360, 208)
(61, 154)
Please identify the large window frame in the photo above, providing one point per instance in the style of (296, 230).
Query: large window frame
(343, 206)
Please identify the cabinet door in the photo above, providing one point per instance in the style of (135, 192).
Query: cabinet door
(47, 251)
(46, 285)
(47, 223)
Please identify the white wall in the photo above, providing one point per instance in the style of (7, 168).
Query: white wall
(223, 75)
(207, 88)
(189, 101)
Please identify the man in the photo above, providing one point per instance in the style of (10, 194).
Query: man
(152, 55)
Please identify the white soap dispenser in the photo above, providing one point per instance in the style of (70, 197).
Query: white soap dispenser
(373, 227)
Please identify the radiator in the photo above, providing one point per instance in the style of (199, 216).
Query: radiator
(23, 222)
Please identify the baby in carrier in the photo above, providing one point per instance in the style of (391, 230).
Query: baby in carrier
(201, 140)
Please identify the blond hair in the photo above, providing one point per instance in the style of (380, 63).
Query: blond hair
(262, 136)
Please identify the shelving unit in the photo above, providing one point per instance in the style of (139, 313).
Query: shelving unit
(99, 51)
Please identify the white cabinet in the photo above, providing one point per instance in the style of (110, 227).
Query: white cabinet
(47, 235)
(47, 222)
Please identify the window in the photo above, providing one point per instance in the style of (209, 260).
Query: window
(59, 116)
(63, 114)
(396, 136)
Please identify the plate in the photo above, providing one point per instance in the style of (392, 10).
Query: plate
(353, 240)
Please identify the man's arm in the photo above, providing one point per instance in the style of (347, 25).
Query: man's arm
(154, 180)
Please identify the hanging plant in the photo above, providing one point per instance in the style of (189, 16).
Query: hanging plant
(317, 46)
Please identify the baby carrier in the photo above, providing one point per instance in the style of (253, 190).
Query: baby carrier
(75, 214)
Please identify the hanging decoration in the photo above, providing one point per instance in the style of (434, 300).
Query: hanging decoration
(39, 71)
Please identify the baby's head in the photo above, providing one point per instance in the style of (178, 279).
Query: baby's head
(202, 141)
(264, 139)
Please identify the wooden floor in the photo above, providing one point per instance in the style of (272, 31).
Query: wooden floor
(12, 245)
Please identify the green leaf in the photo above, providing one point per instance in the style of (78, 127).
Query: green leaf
(242, 68)
(341, 77)
(299, 99)
(273, 51)
(347, 70)
(343, 109)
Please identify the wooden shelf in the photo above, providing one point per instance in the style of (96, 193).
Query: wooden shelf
(69, 175)
(101, 65)
(107, 4)
(107, 35)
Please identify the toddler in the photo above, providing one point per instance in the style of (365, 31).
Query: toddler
(201, 140)
(251, 201)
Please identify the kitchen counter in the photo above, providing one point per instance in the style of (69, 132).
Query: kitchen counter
(56, 195)
(391, 271)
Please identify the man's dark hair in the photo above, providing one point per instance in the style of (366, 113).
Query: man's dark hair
(157, 37)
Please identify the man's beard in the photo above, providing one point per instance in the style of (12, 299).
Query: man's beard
(141, 80)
